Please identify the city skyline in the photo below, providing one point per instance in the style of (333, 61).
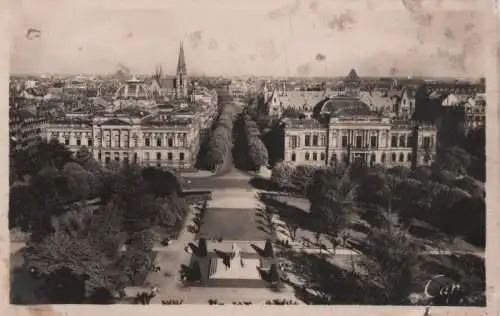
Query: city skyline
(282, 39)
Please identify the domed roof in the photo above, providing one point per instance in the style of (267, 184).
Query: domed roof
(343, 106)
(133, 89)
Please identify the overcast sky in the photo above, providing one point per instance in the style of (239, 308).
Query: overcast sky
(260, 37)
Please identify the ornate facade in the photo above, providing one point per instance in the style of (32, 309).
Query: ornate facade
(344, 128)
(374, 140)
(154, 139)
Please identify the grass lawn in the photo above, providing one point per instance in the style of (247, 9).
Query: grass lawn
(231, 224)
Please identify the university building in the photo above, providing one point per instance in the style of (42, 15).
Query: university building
(158, 139)
(343, 127)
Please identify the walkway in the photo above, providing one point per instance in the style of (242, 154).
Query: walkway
(242, 196)
(169, 259)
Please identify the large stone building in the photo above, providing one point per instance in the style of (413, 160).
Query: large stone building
(344, 128)
(159, 139)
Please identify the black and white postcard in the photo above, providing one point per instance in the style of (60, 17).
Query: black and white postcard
(240, 153)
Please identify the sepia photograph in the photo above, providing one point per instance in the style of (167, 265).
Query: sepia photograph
(247, 153)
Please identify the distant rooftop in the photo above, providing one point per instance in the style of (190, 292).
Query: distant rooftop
(352, 76)
(71, 121)
(23, 113)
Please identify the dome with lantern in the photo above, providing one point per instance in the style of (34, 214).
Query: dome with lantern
(133, 89)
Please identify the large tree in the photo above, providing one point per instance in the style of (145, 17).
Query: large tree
(281, 174)
(51, 191)
(161, 182)
(475, 144)
(22, 207)
(221, 138)
(71, 253)
(257, 152)
(83, 155)
(333, 202)
(302, 177)
(388, 260)
(83, 183)
(31, 160)
(454, 159)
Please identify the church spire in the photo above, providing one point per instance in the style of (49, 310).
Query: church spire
(181, 64)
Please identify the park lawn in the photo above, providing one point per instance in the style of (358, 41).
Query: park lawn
(231, 224)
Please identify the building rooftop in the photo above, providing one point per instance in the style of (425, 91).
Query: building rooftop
(375, 99)
(23, 113)
(303, 123)
(133, 111)
(133, 88)
(344, 106)
(352, 76)
(405, 123)
(166, 120)
(301, 98)
(83, 121)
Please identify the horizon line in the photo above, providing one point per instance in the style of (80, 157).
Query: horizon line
(251, 75)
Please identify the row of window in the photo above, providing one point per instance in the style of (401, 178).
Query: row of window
(475, 110)
(315, 140)
(78, 142)
(394, 157)
(170, 156)
(107, 143)
(401, 141)
(475, 118)
(159, 143)
(107, 156)
(359, 141)
(307, 156)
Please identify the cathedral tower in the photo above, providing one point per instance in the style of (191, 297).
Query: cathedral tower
(181, 79)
